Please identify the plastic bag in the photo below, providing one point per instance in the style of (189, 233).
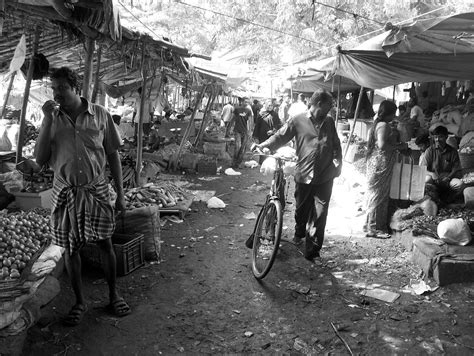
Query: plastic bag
(215, 203)
(454, 232)
(286, 152)
(251, 164)
(289, 168)
(268, 166)
(231, 172)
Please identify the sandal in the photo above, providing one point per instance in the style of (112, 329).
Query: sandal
(75, 315)
(378, 235)
(119, 307)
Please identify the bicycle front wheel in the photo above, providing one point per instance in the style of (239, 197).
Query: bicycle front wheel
(267, 238)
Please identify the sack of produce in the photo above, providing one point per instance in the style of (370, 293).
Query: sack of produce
(454, 232)
(429, 207)
(146, 221)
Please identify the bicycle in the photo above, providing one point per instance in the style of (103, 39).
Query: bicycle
(266, 236)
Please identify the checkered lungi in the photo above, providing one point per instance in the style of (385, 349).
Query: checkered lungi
(81, 214)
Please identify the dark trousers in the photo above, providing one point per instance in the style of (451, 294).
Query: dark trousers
(241, 142)
(312, 202)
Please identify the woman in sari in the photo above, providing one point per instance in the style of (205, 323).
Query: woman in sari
(381, 157)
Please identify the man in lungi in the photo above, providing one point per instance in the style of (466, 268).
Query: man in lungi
(77, 138)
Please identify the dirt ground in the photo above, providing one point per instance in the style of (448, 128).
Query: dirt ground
(203, 299)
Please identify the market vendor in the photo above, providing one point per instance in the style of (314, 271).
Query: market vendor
(423, 142)
(154, 137)
(444, 169)
(77, 139)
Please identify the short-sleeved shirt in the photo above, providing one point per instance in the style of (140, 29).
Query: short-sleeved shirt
(441, 161)
(317, 145)
(242, 115)
(79, 150)
(227, 112)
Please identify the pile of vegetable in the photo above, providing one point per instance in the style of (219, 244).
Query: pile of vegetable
(21, 236)
(30, 133)
(468, 178)
(163, 194)
(427, 225)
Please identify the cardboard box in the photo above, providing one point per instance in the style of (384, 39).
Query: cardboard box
(26, 201)
(446, 264)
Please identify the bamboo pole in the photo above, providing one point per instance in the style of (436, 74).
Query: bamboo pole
(356, 114)
(26, 95)
(141, 114)
(90, 46)
(97, 72)
(7, 96)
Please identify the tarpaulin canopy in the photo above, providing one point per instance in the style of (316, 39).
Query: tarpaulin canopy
(428, 50)
(64, 30)
(230, 76)
(313, 75)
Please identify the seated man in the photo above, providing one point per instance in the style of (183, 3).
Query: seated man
(444, 169)
(154, 137)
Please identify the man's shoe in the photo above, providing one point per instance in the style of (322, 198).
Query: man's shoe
(297, 240)
(312, 256)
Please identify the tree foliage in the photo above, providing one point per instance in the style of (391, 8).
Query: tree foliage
(271, 33)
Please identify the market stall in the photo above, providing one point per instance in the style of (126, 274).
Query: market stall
(88, 38)
(434, 50)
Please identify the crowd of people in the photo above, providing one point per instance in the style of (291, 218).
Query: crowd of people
(77, 139)
(257, 121)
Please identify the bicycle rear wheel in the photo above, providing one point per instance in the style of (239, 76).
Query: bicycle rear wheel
(267, 238)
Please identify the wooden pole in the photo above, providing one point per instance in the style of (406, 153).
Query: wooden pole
(26, 95)
(338, 103)
(174, 97)
(356, 114)
(205, 118)
(175, 159)
(7, 96)
(141, 114)
(90, 44)
(97, 72)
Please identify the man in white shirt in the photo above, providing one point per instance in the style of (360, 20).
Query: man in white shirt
(416, 113)
(226, 116)
(298, 107)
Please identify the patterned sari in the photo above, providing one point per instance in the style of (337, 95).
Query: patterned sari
(379, 174)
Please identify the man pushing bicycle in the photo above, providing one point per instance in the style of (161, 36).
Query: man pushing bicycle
(319, 153)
